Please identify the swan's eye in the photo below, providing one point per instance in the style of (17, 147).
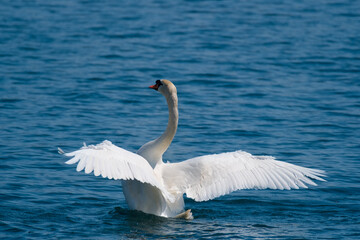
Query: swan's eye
(158, 83)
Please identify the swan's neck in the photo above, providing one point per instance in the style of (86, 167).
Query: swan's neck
(164, 141)
(153, 151)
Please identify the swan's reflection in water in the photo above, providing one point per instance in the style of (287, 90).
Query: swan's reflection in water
(215, 221)
(137, 224)
(132, 224)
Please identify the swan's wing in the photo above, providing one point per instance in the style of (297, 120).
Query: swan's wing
(211, 176)
(113, 162)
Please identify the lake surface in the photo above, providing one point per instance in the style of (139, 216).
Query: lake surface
(278, 78)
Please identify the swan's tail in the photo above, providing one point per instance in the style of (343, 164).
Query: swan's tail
(185, 215)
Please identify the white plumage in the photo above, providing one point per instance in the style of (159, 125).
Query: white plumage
(155, 187)
(207, 177)
(112, 162)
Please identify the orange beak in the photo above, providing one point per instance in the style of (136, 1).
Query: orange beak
(155, 86)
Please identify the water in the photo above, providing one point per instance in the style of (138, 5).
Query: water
(267, 77)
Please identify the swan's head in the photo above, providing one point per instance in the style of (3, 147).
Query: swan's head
(165, 87)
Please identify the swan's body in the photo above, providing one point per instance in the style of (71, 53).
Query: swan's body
(155, 187)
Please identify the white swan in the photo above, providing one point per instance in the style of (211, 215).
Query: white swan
(155, 187)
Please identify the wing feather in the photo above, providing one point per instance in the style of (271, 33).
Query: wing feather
(97, 168)
(112, 162)
(211, 176)
(73, 160)
(81, 164)
(89, 167)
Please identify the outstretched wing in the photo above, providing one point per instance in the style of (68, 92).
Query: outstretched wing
(113, 162)
(211, 176)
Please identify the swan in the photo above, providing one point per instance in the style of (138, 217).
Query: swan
(155, 187)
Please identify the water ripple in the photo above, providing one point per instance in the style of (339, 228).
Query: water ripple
(270, 78)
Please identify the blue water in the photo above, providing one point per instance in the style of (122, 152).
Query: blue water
(278, 78)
